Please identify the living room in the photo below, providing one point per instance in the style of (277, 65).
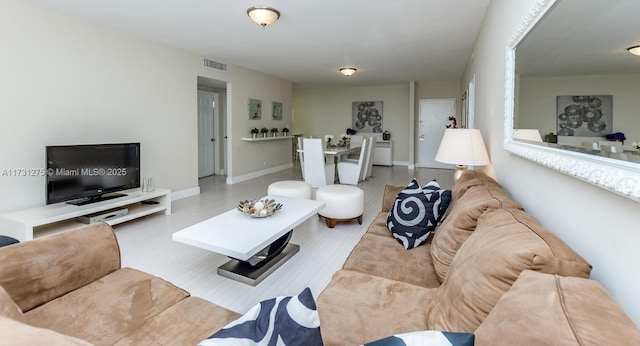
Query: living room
(98, 84)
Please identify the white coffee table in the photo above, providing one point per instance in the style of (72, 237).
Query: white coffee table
(257, 246)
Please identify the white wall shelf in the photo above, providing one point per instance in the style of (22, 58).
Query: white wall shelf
(60, 216)
(383, 153)
(268, 138)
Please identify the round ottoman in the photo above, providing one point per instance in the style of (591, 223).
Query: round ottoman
(290, 188)
(342, 203)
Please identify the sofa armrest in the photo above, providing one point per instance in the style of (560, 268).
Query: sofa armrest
(389, 196)
(37, 271)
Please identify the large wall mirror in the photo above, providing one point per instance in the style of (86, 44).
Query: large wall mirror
(568, 72)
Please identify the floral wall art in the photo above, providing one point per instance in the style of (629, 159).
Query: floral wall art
(367, 116)
(585, 116)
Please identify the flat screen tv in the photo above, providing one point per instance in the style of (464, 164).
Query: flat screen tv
(81, 174)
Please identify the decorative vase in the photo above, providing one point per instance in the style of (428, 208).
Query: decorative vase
(264, 135)
(275, 134)
(254, 135)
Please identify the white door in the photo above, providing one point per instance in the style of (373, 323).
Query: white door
(205, 134)
(434, 118)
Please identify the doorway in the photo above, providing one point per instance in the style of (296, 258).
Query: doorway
(433, 120)
(212, 127)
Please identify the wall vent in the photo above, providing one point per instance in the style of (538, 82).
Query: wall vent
(214, 64)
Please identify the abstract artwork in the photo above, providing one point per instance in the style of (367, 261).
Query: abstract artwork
(367, 116)
(585, 116)
(254, 109)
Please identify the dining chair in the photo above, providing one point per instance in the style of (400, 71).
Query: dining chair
(350, 172)
(300, 152)
(317, 172)
(370, 154)
(355, 141)
(611, 146)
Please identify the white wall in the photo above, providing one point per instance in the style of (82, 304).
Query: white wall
(322, 111)
(68, 81)
(538, 101)
(598, 224)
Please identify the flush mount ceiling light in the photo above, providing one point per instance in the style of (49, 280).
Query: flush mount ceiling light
(635, 50)
(348, 71)
(263, 15)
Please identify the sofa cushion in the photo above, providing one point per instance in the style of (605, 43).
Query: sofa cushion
(197, 318)
(58, 264)
(564, 311)
(426, 338)
(416, 212)
(278, 321)
(379, 226)
(8, 307)
(108, 309)
(469, 179)
(356, 308)
(505, 243)
(380, 255)
(13, 332)
(461, 221)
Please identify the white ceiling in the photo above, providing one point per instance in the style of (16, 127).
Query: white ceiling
(392, 41)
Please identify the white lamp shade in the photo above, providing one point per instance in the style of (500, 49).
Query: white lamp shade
(527, 135)
(462, 147)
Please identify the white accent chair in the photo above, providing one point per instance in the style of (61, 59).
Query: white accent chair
(351, 172)
(317, 172)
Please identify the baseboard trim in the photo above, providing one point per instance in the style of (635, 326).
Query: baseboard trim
(184, 193)
(252, 175)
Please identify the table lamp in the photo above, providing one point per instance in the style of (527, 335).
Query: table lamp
(462, 147)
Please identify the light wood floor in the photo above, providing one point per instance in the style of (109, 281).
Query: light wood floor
(146, 243)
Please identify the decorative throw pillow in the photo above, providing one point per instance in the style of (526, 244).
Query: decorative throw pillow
(445, 198)
(426, 338)
(417, 212)
(278, 321)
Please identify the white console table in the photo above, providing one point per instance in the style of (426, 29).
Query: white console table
(383, 153)
(60, 216)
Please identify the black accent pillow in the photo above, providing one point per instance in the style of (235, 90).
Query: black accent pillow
(416, 212)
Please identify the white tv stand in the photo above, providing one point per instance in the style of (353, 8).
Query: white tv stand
(60, 216)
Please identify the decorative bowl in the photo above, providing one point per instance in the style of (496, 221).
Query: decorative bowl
(259, 208)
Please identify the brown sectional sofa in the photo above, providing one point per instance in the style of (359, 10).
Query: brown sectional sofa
(70, 289)
(462, 280)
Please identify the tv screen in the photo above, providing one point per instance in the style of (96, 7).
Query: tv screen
(91, 172)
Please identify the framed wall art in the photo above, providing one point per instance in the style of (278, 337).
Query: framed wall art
(367, 116)
(585, 116)
(276, 110)
(254, 109)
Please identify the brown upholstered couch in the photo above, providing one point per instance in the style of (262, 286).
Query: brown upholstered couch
(69, 289)
(490, 268)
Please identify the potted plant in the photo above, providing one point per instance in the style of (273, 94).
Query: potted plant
(264, 131)
(285, 131)
(274, 131)
(254, 132)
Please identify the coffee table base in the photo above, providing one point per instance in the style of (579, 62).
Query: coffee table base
(247, 274)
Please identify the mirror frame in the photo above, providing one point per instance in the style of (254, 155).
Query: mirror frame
(617, 176)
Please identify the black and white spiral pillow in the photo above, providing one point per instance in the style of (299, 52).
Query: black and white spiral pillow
(287, 321)
(416, 212)
(426, 338)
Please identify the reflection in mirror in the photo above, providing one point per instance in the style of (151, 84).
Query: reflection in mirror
(576, 78)
(570, 76)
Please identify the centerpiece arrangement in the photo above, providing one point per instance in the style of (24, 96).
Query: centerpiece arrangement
(259, 208)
